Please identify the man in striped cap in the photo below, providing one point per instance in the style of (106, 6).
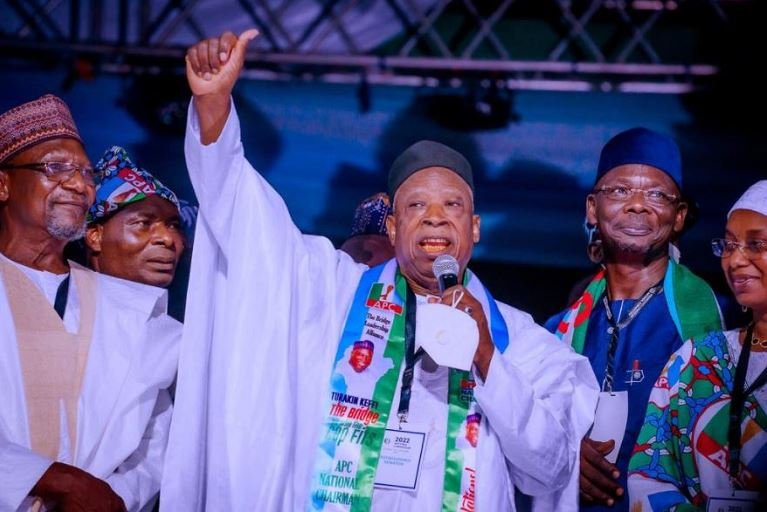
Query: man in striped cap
(134, 227)
(73, 343)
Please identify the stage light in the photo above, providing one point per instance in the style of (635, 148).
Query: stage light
(483, 106)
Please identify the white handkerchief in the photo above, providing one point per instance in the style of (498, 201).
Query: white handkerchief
(448, 335)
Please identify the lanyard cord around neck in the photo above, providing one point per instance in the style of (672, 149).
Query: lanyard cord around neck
(616, 327)
(411, 356)
(738, 401)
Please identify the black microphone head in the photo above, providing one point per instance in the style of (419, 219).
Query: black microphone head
(446, 270)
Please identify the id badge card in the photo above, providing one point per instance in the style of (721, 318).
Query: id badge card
(399, 464)
(728, 500)
(610, 420)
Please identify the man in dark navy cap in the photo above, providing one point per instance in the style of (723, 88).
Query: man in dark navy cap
(273, 317)
(639, 308)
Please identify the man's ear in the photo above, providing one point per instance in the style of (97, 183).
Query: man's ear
(475, 225)
(391, 228)
(93, 237)
(4, 186)
(591, 209)
(681, 215)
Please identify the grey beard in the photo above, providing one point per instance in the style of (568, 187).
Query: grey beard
(60, 229)
(63, 231)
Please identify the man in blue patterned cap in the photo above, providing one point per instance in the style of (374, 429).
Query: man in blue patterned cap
(134, 226)
(369, 241)
(639, 308)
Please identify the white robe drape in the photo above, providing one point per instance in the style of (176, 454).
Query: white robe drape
(265, 310)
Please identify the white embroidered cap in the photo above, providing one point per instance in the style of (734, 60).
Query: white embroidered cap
(755, 199)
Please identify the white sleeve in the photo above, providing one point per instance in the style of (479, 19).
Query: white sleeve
(232, 194)
(222, 179)
(539, 398)
(21, 469)
(264, 309)
(137, 479)
(251, 223)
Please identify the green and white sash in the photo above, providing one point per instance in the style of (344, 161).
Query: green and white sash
(361, 398)
(690, 300)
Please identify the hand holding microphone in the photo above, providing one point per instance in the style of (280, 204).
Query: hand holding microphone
(470, 344)
(442, 328)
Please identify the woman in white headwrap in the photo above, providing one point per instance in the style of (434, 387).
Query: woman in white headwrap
(690, 454)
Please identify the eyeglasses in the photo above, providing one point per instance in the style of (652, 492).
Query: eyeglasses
(653, 196)
(57, 171)
(752, 249)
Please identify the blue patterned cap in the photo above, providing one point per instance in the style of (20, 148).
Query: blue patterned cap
(121, 182)
(370, 215)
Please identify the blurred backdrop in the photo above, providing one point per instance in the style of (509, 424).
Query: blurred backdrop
(528, 90)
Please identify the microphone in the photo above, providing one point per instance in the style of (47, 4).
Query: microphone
(446, 270)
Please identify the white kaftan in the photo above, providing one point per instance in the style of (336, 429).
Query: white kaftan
(265, 311)
(124, 407)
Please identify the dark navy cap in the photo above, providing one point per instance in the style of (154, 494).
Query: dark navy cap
(370, 215)
(424, 154)
(642, 146)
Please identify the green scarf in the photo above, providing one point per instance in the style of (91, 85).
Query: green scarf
(691, 303)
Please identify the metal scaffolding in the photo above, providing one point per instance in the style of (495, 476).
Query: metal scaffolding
(658, 46)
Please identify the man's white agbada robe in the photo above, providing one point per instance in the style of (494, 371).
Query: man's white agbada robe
(265, 311)
(124, 407)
